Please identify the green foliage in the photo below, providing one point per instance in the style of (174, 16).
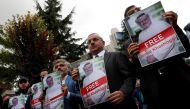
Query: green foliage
(28, 47)
(61, 30)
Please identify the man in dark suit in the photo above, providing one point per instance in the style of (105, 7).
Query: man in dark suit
(120, 77)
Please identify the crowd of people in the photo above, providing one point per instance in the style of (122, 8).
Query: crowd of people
(163, 85)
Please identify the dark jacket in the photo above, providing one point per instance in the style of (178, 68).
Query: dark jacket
(75, 98)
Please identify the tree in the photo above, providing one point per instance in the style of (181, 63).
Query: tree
(61, 30)
(27, 48)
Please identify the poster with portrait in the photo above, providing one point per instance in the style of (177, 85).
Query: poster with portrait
(37, 90)
(94, 87)
(17, 102)
(53, 93)
(156, 37)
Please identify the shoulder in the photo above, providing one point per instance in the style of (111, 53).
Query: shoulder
(118, 56)
(115, 53)
(187, 27)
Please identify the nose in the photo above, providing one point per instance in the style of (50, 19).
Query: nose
(92, 43)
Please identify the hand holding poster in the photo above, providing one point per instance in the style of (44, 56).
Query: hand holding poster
(157, 39)
(54, 95)
(17, 102)
(37, 90)
(95, 85)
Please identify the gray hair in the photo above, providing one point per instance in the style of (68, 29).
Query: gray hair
(62, 61)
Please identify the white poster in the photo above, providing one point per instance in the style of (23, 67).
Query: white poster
(94, 89)
(37, 90)
(17, 102)
(156, 37)
(54, 95)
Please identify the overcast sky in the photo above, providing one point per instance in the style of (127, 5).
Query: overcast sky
(98, 16)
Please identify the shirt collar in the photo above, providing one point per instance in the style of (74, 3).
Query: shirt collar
(100, 54)
(63, 81)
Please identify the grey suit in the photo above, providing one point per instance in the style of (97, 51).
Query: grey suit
(120, 77)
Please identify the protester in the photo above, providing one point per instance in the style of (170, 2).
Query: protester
(72, 97)
(120, 77)
(23, 86)
(43, 73)
(163, 84)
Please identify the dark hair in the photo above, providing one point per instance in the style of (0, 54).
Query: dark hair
(45, 69)
(86, 64)
(127, 9)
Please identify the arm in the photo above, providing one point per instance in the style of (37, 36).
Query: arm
(75, 95)
(172, 17)
(126, 68)
(184, 39)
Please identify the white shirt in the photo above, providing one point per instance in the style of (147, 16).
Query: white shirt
(100, 54)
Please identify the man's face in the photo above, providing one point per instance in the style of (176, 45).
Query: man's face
(49, 81)
(95, 44)
(61, 68)
(144, 21)
(15, 101)
(43, 74)
(23, 84)
(88, 69)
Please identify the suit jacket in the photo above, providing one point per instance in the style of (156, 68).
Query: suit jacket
(120, 77)
(75, 98)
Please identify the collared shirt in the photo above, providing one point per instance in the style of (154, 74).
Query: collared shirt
(100, 54)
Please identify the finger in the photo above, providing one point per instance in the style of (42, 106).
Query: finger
(112, 96)
(135, 53)
(132, 44)
(74, 72)
(116, 101)
(133, 49)
(170, 14)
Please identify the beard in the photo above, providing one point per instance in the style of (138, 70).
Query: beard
(62, 73)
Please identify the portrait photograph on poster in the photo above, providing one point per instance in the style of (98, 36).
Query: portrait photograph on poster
(94, 88)
(37, 90)
(17, 102)
(156, 37)
(54, 95)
